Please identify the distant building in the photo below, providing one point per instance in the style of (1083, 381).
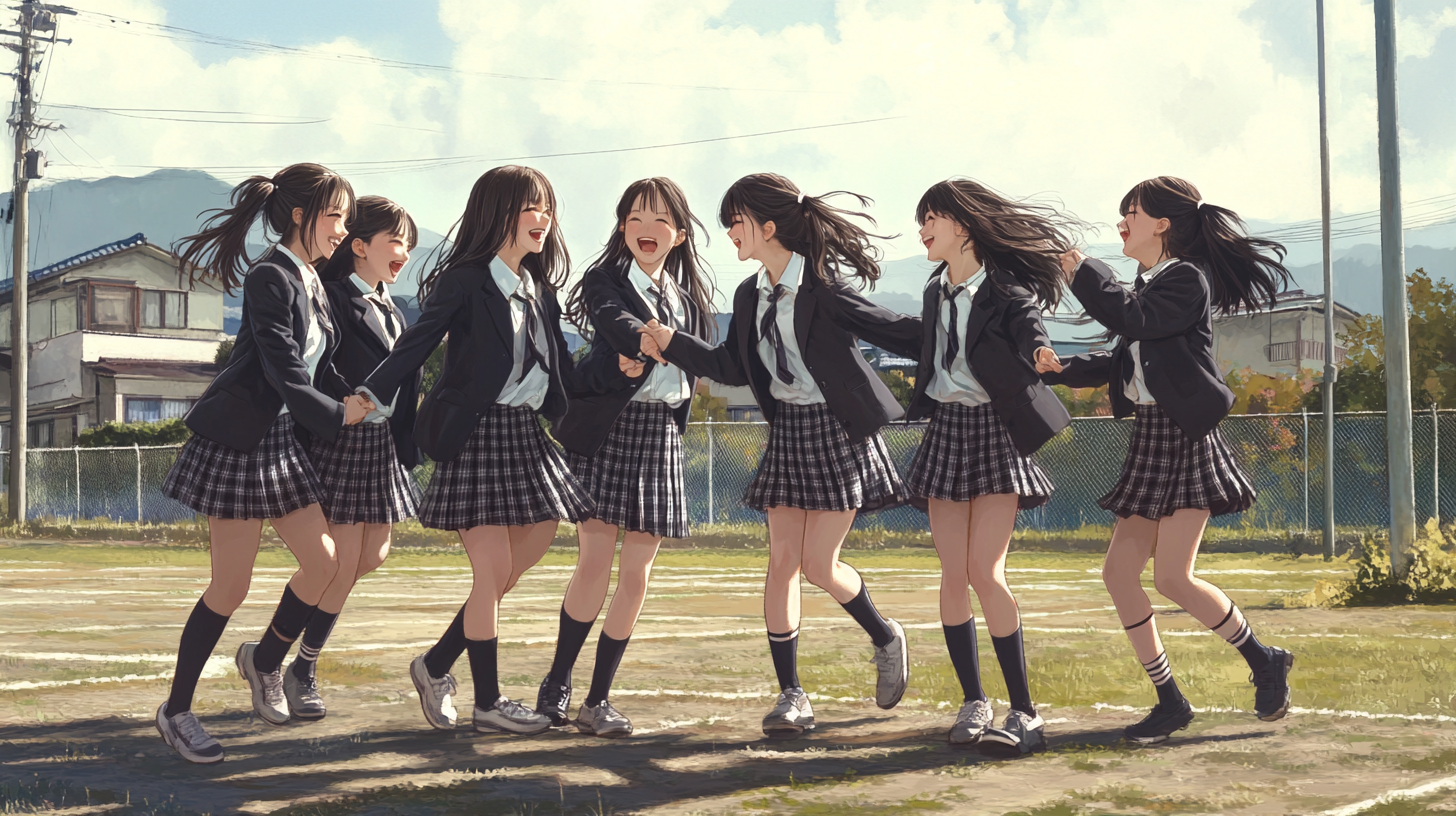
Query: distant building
(1282, 340)
(115, 334)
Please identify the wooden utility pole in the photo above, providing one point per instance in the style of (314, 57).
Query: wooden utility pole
(1331, 373)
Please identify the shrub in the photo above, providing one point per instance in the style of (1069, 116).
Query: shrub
(1431, 578)
(117, 434)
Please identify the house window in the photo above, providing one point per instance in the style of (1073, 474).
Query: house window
(164, 310)
(41, 434)
(155, 409)
(64, 321)
(113, 308)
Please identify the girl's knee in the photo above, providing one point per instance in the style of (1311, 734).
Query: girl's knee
(1172, 585)
(224, 599)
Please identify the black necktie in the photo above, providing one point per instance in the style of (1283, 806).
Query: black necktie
(320, 311)
(768, 328)
(1137, 285)
(953, 335)
(664, 309)
(386, 314)
(533, 356)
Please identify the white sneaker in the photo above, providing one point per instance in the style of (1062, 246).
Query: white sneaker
(508, 717)
(603, 720)
(436, 695)
(1020, 734)
(187, 736)
(268, 698)
(892, 661)
(791, 715)
(971, 723)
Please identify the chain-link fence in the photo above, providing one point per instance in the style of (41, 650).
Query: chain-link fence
(1283, 454)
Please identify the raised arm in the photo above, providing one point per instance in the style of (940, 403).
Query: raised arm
(1088, 370)
(856, 314)
(416, 343)
(598, 372)
(1023, 318)
(718, 363)
(1167, 306)
(610, 316)
(269, 295)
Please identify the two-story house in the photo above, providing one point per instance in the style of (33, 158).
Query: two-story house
(116, 334)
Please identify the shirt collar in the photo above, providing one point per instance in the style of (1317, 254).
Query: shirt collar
(1158, 267)
(792, 277)
(507, 281)
(303, 266)
(642, 280)
(971, 283)
(365, 288)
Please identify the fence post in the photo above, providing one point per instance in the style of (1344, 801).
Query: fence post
(1435, 464)
(77, 450)
(711, 516)
(1306, 471)
(138, 449)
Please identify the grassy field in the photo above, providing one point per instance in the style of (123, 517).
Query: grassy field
(88, 633)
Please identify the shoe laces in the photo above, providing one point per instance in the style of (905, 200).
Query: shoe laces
(307, 683)
(607, 711)
(512, 709)
(442, 686)
(884, 659)
(272, 683)
(190, 728)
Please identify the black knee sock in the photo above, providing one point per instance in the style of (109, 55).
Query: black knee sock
(289, 619)
(570, 637)
(960, 640)
(1011, 654)
(1254, 652)
(609, 657)
(315, 635)
(1162, 676)
(442, 656)
(199, 637)
(785, 651)
(484, 671)
(863, 610)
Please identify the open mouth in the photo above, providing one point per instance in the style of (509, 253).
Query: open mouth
(395, 266)
(647, 245)
(927, 242)
(538, 235)
(1123, 234)
(737, 243)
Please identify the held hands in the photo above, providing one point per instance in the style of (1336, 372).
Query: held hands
(655, 338)
(632, 368)
(1046, 359)
(356, 407)
(1071, 259)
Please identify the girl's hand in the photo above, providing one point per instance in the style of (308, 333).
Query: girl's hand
(632, 368)
(1071, 259)
(1046, 358)
(356, 407)
(655, 338)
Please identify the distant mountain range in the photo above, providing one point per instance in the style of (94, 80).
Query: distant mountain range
(70, 217)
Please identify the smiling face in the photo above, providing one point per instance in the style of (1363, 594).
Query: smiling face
(328, 229)
(380, 258)
(533, 227)
(943, 238)
(1142, 235)
(650, 233)
(749, 236)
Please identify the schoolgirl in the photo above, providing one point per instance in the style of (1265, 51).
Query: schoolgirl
(793, 341)
(626, 445)
(245, 461)
(1194, 259)
(499, 480)
(365, 472)
(989, 411)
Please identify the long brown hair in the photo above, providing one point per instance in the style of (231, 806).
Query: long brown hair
(218, 252)
(492, 214)
(683, 263)
(373, 215)
(1241, 271)
(807, 225)
(1021, 238)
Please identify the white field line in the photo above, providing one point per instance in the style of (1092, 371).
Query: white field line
(1391, 796)
(217, 666)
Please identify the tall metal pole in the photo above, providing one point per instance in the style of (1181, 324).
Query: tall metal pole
(20, 294)
(1398, 436)
(1331, 373)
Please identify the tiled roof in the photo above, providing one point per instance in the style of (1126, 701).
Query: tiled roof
(76, 260)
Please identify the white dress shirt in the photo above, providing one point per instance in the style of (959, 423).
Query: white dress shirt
(531, 391)
(313, 336)
(1137, 389)
(803, 390)
(958, 384)
(382, 413)
(666, 383)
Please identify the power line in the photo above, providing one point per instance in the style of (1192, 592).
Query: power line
(124, 112)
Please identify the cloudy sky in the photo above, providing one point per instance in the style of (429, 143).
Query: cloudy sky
(1073, 99)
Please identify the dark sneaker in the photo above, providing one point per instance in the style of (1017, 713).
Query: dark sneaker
(791, 716)
(892, 665)
(972, 721)
(1160, 723)
(553, 701)
(269, 701)
(603, 720)
(1271, 686)
(304, 701)
(1019, 735)
(188, 738)
(509, 717)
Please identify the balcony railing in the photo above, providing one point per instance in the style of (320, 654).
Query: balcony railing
(1303, 349)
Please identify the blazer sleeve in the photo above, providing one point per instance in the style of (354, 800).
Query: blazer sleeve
(856, 314)
(1089, 370)
(1168, 305)
(1023, 320)
(416, 343)
(718, 363)
(270, 314)
(609, 315)
(595, 373)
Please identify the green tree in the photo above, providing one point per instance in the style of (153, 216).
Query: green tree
(1432, 328)
(125, 434)
(1083, 402)
(901, 386)
(433, 366)
(224, 351)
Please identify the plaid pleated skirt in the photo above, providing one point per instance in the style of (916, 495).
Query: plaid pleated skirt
(510, 473)
(271, 482)
(812, 464)
(362, 477)
(967, 452)
(636, 476)
(1166, 471)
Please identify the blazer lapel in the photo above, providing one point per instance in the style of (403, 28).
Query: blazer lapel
(980, 314)
(804, 312)
(365, 313)
(500, 310)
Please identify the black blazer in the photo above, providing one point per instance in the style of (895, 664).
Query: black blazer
(265, 370)
(363, 345)
(1172, 320)
(1003, 332)
(827, 321)
(616, 312)
(467, 305)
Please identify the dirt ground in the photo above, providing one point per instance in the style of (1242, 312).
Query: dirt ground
(87, 638)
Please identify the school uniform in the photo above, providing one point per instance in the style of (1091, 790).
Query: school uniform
(1162, 372)
(505, 362)
(625, 445)
(988, 408)
(366, 471)
(246, 458)
(794, 344)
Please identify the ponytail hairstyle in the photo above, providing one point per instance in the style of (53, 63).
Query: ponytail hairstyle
(683, 263)
(373, 215)
(492, 214)
(1022, 239)
(807, 225)
(219, 251)
(1241, 272)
